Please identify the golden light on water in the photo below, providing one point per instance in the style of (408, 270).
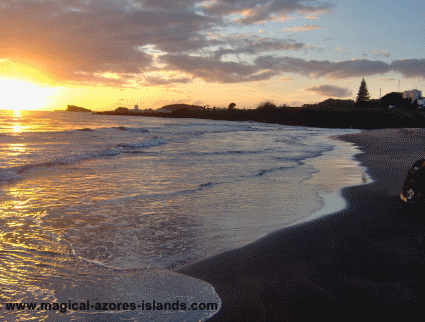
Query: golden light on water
(17, 128)
(16, 94)
(16, 149)
(17, 125)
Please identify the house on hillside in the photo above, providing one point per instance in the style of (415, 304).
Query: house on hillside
(421, 102)
(412, 95)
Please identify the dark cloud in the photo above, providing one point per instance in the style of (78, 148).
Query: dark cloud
(124, 42)
(324, 68)
(80, 41)
(409, 67)
(330, 91)
(214, 70)
(155, 81)
(74, 40)
(254, 45)
(265, 67)
(172, 6)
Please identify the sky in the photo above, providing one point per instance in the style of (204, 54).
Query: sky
(101, 54)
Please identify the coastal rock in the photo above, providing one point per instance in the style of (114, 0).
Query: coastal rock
(414, 186)
(73, 108)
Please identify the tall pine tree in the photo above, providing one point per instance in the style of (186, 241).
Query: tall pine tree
(363, 96)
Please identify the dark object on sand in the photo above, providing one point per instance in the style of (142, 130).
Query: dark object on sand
(414, 186)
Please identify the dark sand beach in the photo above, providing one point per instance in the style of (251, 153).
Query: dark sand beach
(364, 263)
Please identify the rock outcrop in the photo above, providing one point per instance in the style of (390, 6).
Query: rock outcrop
(73, 108)
(414, 186)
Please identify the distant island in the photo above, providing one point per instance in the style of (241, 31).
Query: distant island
(73, 108)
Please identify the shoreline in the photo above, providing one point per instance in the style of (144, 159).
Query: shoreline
(332, 117)
(363, 262)
(344, 168)
(342, 156)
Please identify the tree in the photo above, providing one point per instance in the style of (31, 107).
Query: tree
(363, 96)
(374, 103)
(231, 106)
(267, 106)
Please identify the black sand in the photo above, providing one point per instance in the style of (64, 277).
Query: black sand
(364, 263)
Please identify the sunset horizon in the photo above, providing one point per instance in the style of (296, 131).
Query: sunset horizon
(212, 160)
(104, 54)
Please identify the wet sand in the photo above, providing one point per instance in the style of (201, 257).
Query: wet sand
(366, 262)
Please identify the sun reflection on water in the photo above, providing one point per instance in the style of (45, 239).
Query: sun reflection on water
(17, 126)
(16, 149)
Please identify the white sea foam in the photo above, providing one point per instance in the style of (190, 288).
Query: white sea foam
(145, 144)
(146, 192)
(13, 173)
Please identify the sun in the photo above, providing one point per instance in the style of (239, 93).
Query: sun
(16, 94)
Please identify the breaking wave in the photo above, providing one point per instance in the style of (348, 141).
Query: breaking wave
(14, 173)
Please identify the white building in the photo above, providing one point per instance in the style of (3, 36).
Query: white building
(136, 107)
(413, 95)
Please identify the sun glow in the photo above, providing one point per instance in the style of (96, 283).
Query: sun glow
(19, 95)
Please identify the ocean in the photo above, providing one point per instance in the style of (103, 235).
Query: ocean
(103, 209)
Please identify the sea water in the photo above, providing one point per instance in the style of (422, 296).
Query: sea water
(103, 208)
